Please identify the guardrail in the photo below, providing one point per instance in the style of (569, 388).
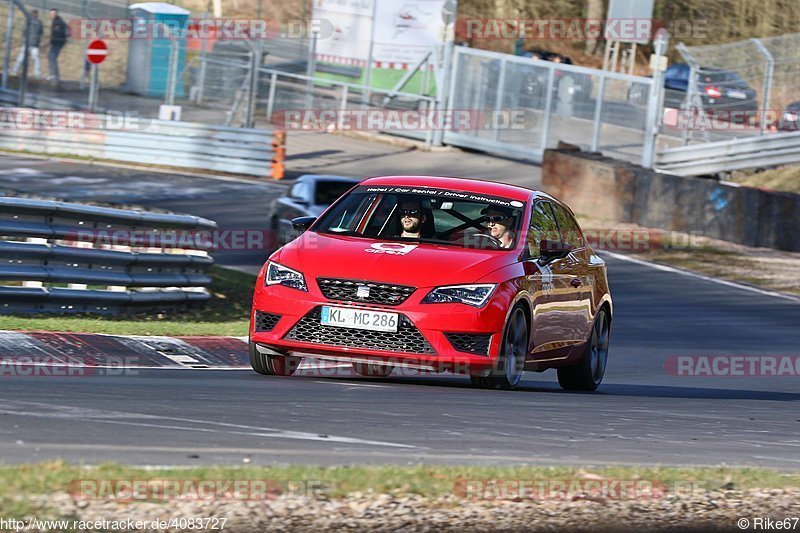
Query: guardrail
(157, 142)
(724, 156)
(99, 253)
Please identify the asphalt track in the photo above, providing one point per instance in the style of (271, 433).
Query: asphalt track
(641, 414)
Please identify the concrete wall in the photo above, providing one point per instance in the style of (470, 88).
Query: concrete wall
(608, 189)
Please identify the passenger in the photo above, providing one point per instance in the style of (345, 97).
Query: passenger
(498, 220)
(411, 219)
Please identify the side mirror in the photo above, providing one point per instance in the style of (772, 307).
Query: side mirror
(549, 250)
(301, 224)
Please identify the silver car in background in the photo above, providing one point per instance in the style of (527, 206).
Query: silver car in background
(309, 196)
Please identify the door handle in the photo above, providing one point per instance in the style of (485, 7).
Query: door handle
(576, 282)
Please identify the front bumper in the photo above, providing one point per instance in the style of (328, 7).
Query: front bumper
(427, 335)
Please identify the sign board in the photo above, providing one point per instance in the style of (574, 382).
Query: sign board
(398, 33)
(629, 21)
(406, 30)
(97, 51)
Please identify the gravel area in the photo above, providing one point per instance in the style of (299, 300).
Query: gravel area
(701, 510)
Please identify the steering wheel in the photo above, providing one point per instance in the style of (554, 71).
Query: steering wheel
(494, 240)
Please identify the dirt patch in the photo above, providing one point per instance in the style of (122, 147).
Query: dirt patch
(760, 267)
(706, 511)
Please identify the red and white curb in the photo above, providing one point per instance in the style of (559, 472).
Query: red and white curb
(45, 348)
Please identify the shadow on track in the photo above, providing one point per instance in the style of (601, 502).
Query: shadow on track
(608, 390)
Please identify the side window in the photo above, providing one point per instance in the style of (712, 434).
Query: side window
(570, 231)
(543, 226)
(300, 190)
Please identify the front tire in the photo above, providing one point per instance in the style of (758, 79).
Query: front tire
(272, 365)
(588, 373)
(507, 373)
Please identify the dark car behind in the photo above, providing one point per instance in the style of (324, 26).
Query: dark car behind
(310, 195)
(721, 93)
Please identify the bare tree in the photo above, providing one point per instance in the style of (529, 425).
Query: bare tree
(594, 12)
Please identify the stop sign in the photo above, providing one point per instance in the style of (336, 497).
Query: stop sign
(97, 51)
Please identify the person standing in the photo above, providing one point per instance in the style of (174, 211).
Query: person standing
(58, 38)
(34, 40)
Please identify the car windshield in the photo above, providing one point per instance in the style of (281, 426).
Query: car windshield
(425, 214)
(328, 192)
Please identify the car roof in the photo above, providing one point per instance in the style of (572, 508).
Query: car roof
(327, 177)
(513, 192)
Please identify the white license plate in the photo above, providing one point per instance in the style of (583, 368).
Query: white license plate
(737, 94)
(343, 317)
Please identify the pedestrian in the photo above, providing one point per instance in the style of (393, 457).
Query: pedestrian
(58, 38)
(35, 31)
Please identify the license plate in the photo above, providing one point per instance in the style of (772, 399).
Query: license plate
(737, 94)
(344, 317)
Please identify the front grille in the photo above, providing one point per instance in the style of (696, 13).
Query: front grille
(406, 339)
(379, 293)
(266, 321)
(470, 342)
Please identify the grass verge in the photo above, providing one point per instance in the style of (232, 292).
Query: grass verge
(227, 313)
(786, 179)
(19, 482)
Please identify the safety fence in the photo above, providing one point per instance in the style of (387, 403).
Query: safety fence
(85, 8)
(756, 80)
(592, 108)
(62, 257)
(155, 142)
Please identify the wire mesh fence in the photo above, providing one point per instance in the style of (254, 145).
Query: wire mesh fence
(113, 9)
(740, 88)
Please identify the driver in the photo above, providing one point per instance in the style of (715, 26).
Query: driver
(411, 219)
(498, 220)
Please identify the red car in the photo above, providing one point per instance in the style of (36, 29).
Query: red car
(437, 274)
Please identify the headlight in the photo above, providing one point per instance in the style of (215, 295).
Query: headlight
(474, 295)
(281, 275)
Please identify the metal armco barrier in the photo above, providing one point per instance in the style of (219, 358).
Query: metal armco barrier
(99, 253)
(156, 142)
(724, 156)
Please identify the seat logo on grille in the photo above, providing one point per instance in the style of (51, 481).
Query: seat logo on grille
(362, 292)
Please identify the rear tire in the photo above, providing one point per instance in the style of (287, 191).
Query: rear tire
(588, 373)
(372, 371)
(507, 373)
(272, 365)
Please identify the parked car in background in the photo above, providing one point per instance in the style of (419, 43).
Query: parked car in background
(722, 93)
(310, 195)
(790, 118)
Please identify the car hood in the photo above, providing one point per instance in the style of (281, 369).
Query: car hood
(403, 263)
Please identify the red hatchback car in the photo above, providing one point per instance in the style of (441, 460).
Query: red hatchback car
(437, 274)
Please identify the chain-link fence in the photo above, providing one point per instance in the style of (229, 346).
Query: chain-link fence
(737, 89)
(73, 69)
(106, 9)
